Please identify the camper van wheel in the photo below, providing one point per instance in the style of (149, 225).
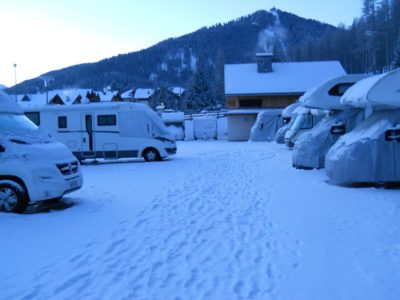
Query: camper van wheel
(151, 154)
(13, 197)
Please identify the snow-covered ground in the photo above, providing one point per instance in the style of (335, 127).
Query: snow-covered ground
(218, 221)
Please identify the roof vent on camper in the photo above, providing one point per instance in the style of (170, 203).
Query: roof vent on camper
(264, 62)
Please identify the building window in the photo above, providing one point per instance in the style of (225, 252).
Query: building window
(250, 103)
(62, 122)
(340, 89)
(34, 117)
(106, 120)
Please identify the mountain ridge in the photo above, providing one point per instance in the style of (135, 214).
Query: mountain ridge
(175, 61)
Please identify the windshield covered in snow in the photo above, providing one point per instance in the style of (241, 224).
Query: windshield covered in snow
(16, 123)
(303, 122)
(158, 125)
(21, 127)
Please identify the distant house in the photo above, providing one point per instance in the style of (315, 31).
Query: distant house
(142, 95)
(170, 97)
(56, 100)
(252, 87)
(67, 97)
(128, 95)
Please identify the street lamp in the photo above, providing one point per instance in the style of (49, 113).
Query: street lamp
(15, 77)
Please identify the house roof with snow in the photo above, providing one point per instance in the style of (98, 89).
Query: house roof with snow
(66, 96)
(128, 94)
(106, 95)
(285, 78)
(178, 91)
(143, 93)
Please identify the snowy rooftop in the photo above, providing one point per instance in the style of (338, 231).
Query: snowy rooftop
(143, 93)
(128, 94)
(177, 90)
(68, 96)
(292, 77)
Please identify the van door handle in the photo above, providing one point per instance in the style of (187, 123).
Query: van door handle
(392, 135)
(84, 140)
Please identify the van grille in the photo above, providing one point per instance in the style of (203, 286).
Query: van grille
(68, 168)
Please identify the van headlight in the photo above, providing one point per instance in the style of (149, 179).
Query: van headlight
(164, 139)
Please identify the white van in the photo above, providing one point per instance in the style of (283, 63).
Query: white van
(33, 167)
(288, 119)
(107, 130)
(320, 100)
(304, 119)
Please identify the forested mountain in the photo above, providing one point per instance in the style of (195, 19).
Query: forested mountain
(195, 61)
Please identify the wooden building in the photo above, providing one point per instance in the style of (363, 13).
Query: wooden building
(266, 85)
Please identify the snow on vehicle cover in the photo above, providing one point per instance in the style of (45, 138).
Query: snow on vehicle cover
(325, 96)
(23, 130)
(379, 92)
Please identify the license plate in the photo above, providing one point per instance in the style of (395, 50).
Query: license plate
(73, 184)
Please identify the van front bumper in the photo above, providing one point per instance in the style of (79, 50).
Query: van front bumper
(52, 182)
(50, 188)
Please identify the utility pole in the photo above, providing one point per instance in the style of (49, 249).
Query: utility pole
(46, 82)
(15, 78)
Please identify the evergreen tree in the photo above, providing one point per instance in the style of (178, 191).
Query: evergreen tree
(198, 92)
(396, 55)
(219, 90)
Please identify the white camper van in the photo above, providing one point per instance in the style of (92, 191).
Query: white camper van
(288, 119)
(370, 153)
(33, 167)
(311, 147)
(304, 119)
(107, 130)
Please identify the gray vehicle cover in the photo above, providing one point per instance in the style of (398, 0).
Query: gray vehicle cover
(365, 155)
(266, 125)
(312, 146)
(280, 134)
(286, 113)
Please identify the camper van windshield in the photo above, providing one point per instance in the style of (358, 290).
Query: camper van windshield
(303, 122)
(16, 123)
(160, 126)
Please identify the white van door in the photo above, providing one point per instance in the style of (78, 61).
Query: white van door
(87, 136)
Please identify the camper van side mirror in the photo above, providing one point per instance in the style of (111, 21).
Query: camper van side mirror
(338, 129)
(149, 128)
(2, 149)
(392, 135)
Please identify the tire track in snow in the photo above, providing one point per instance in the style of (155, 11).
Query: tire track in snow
(208, 237)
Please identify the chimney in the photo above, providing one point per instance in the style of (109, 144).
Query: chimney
(264, 62)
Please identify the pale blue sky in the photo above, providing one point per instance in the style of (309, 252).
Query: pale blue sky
(44, 35)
